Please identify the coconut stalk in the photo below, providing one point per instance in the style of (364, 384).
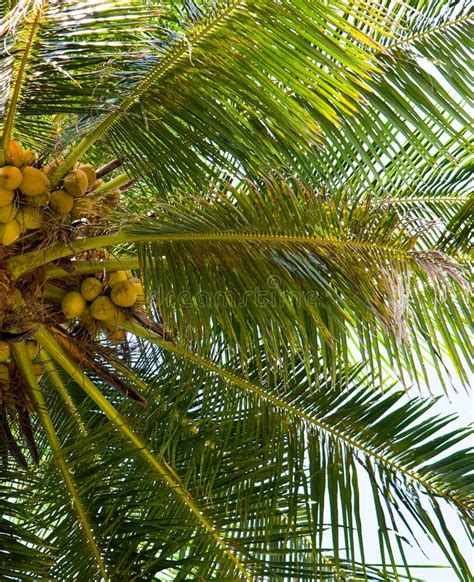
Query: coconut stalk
(77, 268)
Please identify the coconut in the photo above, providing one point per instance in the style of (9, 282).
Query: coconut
(89, 171)
(140, 290)
(7, 213)
(61, 202)
(118, 276)
(91, 288)
(4, 351)
(35, 182)
(113, 323)
(102, 308)
(83, 208)
(9, 233)
(73, 304)
(27, 158)
(6, 197)
(10, 177)
(14, 154)
(32, 348)
(4, 374)
(29, 218)
(76, 183)
(40, 200)
(124, 294)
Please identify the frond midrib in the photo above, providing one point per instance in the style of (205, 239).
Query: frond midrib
(176, 52)
(426, 33)
(29, 261)
(282, 404)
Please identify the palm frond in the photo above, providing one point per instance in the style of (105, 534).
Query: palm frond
(313, 76)
(412, 125)
(220, 265)
(268, 475)
(24, 555)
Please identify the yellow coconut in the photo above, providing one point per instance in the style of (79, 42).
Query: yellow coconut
(61, 202)
(10, 177)
(113, 323)
(124, 294)
(89, 171)
(32, 348)
(29, 218)
(9, 233)
(118, 276)
(40, 200)
(4, 374)
(140, 290)
(6, 197)
(35, 182)
(91, 288)
(102, 308)
(14, 154)
(76, 183)
(27, 158)
(4, 351)
(73, 304)
(7, 213)
(83, 208)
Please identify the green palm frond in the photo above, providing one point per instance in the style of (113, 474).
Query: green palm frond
(413, 116)
(313, 76)
(24, 554)
(276, 512)
(294, 189)
(333, 267)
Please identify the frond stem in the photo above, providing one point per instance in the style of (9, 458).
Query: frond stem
(24, 363)
(10, 118)
(426, 33)
(59, 385)
(180, 49)
(428, 200)
(75, 268)
(162, 468)
(113, 184)
(22, 264)
(280, 403)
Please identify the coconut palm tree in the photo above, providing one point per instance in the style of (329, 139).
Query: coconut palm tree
(234, 236)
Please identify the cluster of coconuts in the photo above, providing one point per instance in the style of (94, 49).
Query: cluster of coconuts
(26, 196)
(7, 367)
(102, 304)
